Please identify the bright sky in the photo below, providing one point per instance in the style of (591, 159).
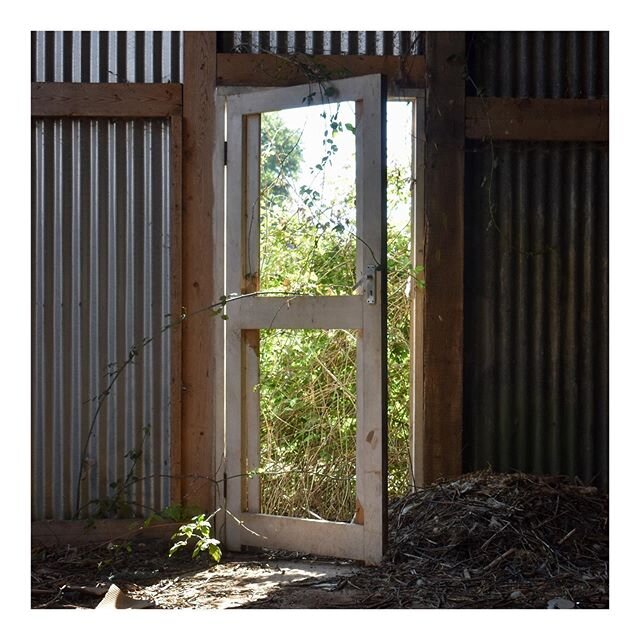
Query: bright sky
(399, 118)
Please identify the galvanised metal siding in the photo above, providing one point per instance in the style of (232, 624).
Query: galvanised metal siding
(323, 42)
(539, 64)
(156, 56)
(101, 283)
(106, 56)
(536, 270)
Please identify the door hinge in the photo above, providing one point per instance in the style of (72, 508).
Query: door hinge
(225, 153)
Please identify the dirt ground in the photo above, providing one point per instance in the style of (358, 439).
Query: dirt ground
(485, 540)
(74, 578)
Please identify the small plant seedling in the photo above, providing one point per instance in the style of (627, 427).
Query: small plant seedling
(199, 529)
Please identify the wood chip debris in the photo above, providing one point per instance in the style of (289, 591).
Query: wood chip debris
(489, 540)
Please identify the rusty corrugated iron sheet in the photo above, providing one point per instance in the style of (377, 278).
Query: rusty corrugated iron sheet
(101, 284)
(536, 270)
(538, 64)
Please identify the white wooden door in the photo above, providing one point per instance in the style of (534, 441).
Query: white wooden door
(364, 311)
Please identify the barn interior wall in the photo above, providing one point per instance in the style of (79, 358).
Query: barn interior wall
(535, 234)
(536, 268)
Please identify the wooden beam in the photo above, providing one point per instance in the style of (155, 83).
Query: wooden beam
(109, 100)
(197, 269)
(537, 119)
(267, 69)
(444, 206)
(46, 533)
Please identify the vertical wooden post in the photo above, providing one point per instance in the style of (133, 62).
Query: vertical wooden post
(176, 307)
(198, 439)
(444, 195)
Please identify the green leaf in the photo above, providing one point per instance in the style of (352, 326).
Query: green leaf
(214, 553)
(176, 546)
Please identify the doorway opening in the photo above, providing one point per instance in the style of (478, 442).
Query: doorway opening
(307, 244)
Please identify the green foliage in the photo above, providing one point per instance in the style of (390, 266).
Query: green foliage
(308, 394)
(307, 239)
(199, 532)
(308, 422)
(307, 385)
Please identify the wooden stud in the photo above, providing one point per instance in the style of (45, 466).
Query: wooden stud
(418, 297)
(197, 234)
(176, 306)
(219, 291)
(108, 100)
(444, 192)
(567, 120)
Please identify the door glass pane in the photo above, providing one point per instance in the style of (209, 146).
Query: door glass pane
(307, 197)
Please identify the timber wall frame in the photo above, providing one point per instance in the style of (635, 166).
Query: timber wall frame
(450, 119)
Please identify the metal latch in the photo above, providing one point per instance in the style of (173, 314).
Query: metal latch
(370, 283)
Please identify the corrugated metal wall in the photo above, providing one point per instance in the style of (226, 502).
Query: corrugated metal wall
(101, 283)
(106, 56)
(156, 56)
(390, 43)
(536, 270)
(539, 64)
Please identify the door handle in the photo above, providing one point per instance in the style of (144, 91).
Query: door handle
(370, 283)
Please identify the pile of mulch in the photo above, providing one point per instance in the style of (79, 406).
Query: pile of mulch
(494, 541)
